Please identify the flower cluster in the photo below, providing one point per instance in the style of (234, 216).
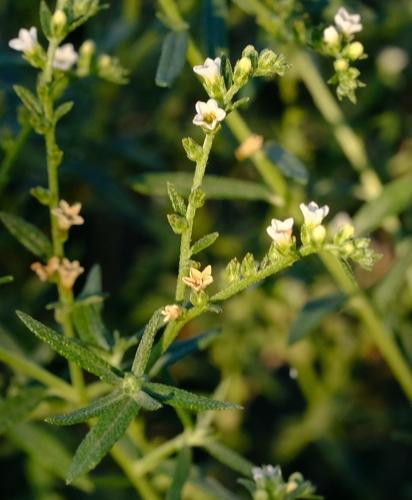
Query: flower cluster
(66, 270)
(337, 41)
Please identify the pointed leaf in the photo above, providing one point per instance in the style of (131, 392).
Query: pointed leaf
(40, 443)
(184, 399)
(312, 315)
(229, 457)
(147, 402)
(73, 351)
(6, 279)
(45, 19)
(193, 150)
(62, 110)
(28, 235)
(109, 429)
(181, 473)
(145, 345)
(286, 162)
(89, 325)
(94, 409)
(393, 199)
(204, 242)
(16, 408)
(93, 285)
(172, 58)
(177, 201)
(29, 100)
(214, 186)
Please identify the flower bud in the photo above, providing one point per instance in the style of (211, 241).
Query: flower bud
(197, 198)
(248, 266)
(331, 35)
(177, 223)
(199, 298)
(318, 234)
(341, 65)
(232, 272)
(59, 24)
(345, 233)
(86, 52)
(355, 50)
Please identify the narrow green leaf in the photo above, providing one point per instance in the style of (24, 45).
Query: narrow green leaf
(93, 285)
(62, 110)
(229, 457)
(172, 58)
(393, 199)
(108, 430)
(94, 409)
(28, 235)
(184, 399)
(147, 402)
(39, 442)
(145, 345)
(193, 150)
(312, 315)
(89, 325)
(204, 242)
(14, 409)
(214, 186)
(181, 473)
(45, 19)
(6, 279)
(214, 16)
(73, 351)
(29, 100)
(287, 163)
(178, 203)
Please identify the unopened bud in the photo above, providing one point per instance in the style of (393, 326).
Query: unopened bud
(318, 234)
(59, 19)
(331, 35)
(87, 48)
(233, 271)
(341, 65)
(355, 50)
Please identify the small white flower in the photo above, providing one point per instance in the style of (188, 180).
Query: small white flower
(210, 69)
(347, 23)
(313, 214)
(257, 473)
(26, 41)
(64, 57)
(281, 232)
(330, 35)
(208, 114)
(171, 312)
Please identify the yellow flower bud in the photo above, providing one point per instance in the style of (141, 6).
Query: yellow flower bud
(59, 19)
(355, 50)
(318, 234)
(341, 65)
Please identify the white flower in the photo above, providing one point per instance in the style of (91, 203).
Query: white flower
(330, 35)
(26, 41)
(347, 23)
(281, 232)
(199, 280)
(208, 114)
(171, 312)
(64, 57)
(313, 214)
(67, 215)
(69, 272)
(210, 69)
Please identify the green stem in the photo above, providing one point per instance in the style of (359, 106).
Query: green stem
(185, 243)
(59, 387)
(382, 336)
(12, 154)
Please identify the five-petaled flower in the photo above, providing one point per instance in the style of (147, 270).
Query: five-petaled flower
(347, 23)
(312, 214)
(281, 232)
(67, 215)
(26, 42)
(210, 69)
(199, 280)
(69, 271)
(208, 114)
(64, 57)
(44, 272)
(171, 312)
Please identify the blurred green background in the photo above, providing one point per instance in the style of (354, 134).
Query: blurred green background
(344, 422)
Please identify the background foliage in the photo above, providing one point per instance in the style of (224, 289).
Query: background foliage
(344, 422)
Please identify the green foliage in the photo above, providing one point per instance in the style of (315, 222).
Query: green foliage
(172, 58)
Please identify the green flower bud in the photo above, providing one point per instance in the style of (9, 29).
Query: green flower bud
(86, 52)
(197, 198)
(131, 384)
(248, 267)
(345, 233)
(193, 150)
(242, 71)
(232, 272)
(199, 299)
(59, 24)
(341, 65)
(178, 223)
(42, 195)
(355, 50)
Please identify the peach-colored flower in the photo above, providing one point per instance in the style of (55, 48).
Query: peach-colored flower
(252, 144)
(199, 280)
(69, 272)
(44, 272)
(68, 215)
(171, 312)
